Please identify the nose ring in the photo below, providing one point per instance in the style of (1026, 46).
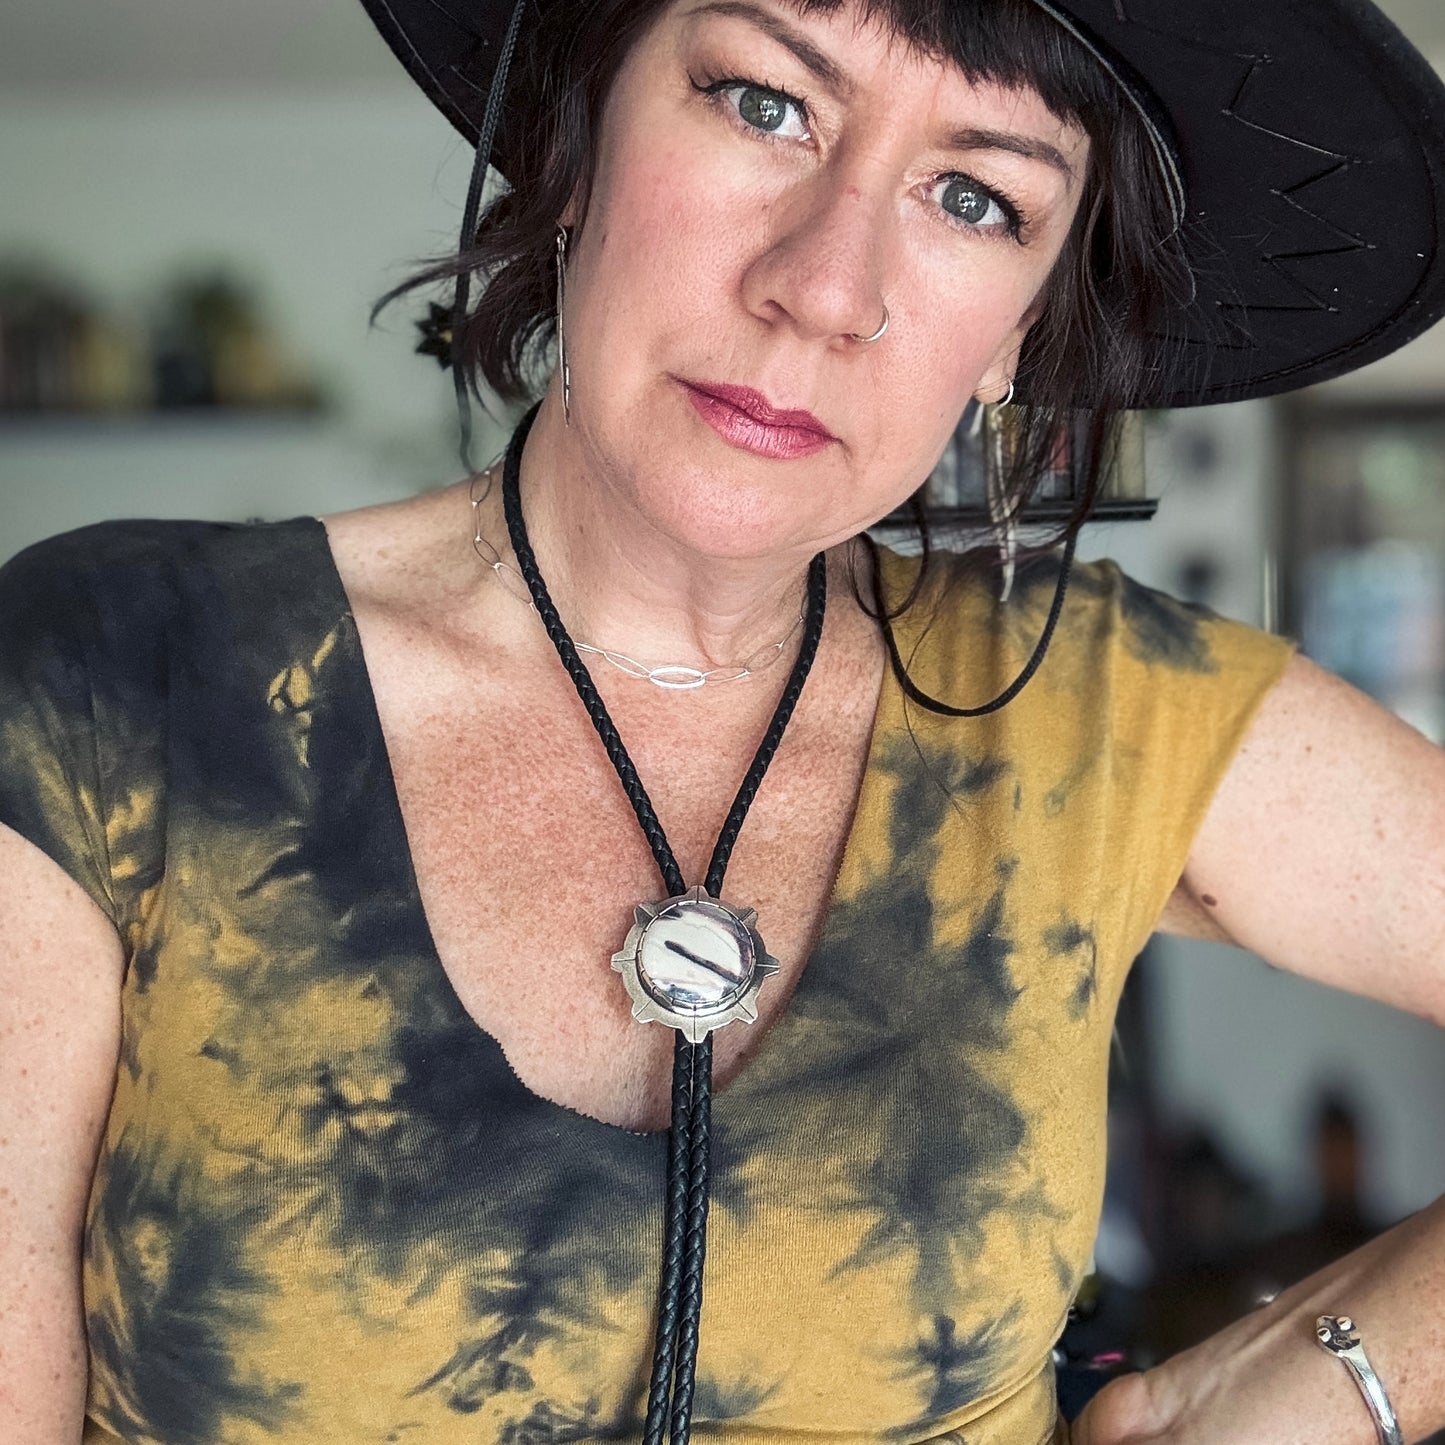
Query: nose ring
(877, 335)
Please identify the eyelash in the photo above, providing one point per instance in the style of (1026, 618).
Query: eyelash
(715, 87)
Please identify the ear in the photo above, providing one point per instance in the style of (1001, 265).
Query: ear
(998, 376)
(574, 213)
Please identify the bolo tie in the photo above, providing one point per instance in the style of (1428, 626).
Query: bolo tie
(690, 961)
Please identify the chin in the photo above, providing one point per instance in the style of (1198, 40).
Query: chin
(714, 499)
(701, 493)
(722, 513)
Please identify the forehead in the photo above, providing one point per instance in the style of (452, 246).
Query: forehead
(1013, 44)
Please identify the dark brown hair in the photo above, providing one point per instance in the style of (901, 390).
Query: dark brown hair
(1081, 362)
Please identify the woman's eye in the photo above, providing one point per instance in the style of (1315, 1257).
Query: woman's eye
(975, 205)
(769, 111)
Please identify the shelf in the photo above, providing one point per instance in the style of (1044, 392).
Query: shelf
(25, 425)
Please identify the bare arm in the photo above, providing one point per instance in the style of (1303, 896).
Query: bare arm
(1324, 850)
(60, 977)
(1324, 853)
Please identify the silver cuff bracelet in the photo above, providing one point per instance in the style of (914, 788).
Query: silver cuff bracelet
(1339, 1336)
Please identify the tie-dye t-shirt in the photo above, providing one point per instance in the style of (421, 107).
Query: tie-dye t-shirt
(325, 1210)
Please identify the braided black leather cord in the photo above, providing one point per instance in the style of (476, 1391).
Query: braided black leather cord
(695, 1250)
(674, 1366)
(659, 1393)
(812, 633)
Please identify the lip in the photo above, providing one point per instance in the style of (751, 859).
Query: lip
(746, 419)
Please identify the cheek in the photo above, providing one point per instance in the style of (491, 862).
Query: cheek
(965, 301)
(673, 235)
(945, 337)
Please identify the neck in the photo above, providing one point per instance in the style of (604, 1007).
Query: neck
(621, 582)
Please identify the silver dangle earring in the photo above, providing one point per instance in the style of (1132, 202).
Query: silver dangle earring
(1005, 526)
(562, 366)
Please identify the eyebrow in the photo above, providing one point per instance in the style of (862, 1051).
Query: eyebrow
(811, 57)
(970, 139)
(1030, 147)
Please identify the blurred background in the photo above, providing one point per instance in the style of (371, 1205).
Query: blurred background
(201, 202)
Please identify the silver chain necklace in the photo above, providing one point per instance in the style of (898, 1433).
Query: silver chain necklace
(673, 676)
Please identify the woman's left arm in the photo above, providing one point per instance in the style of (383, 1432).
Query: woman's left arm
(1324, 853)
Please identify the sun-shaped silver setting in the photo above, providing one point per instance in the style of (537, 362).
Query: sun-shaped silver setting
(693, 963)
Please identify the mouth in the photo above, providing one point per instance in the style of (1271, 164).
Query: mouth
(746, 419)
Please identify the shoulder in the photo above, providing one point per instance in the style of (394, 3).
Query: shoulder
(124, 563)
(1113, 634)
(413, 556)
(66, 601)
(83, 561)
(966, 588)
(99, 625)
(122, 579)
(133, 654)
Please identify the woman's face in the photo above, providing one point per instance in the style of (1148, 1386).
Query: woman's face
(766, 183)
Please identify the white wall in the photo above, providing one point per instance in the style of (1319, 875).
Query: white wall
(322, 200)
(151, 43)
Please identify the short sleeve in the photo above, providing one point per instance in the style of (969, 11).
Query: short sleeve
(78, 693)
(1113, 751)
(1184, 686)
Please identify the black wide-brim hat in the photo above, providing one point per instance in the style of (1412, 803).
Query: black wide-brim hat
(1304, 142)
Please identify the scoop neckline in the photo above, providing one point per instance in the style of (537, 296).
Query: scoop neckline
(388, 797)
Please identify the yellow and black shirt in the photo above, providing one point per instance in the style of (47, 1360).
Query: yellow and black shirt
(325, 1210)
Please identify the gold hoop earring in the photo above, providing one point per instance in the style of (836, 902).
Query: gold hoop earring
(562, 367)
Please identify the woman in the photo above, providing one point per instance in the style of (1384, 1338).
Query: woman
(314, 863)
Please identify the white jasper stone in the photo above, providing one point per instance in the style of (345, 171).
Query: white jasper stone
(695, 956)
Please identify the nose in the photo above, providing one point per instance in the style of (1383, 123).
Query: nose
(820, 269)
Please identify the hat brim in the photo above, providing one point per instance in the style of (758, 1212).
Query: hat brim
(1309, 137)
